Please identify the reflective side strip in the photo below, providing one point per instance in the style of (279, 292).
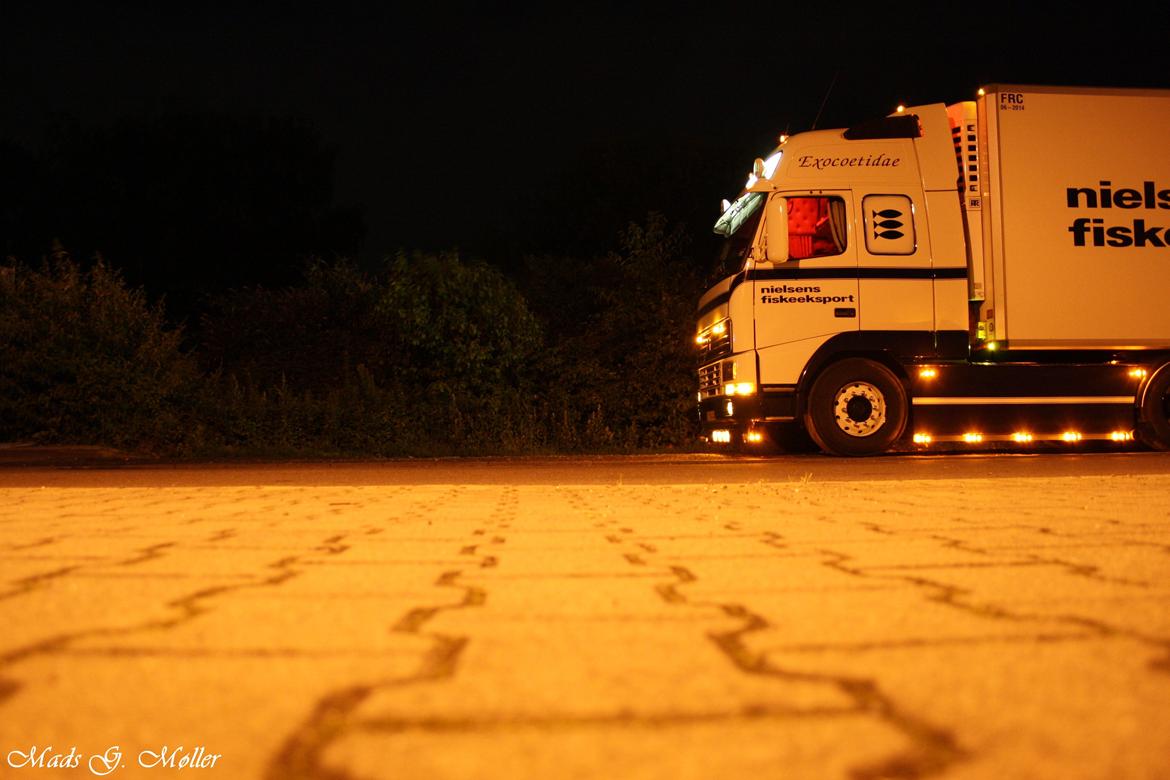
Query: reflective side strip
(1021, 401)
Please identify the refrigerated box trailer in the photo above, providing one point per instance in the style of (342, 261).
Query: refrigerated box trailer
(992, 270)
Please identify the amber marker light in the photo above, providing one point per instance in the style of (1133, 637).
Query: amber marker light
(973, 438)
(927, 373)
(753, 437)
(1138, 373)
(1022, 437)
(1070, 436)
(1121, 436)
(922, 438)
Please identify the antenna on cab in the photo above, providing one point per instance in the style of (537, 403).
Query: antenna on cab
(825, 100)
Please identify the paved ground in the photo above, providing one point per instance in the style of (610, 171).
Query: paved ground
(665, 618)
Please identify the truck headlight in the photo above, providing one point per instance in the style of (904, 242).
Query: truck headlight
(715, 336)
(739, 388)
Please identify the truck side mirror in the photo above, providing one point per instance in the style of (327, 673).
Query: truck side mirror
(776, 231)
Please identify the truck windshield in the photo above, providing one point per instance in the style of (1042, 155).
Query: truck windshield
(738, 226)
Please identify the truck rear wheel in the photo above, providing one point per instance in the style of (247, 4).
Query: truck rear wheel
(1155, 411)
(856, 407)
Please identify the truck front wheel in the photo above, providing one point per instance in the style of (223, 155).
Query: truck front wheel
(1155, 412)
(856, 407)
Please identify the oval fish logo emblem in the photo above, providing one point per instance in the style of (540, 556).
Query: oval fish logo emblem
(889, 220)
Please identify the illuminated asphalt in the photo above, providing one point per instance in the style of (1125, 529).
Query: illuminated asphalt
(975, 616)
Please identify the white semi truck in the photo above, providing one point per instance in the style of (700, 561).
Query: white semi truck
(996, 270)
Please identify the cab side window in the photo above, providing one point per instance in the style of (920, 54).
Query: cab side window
(816, 227)
(889, 225)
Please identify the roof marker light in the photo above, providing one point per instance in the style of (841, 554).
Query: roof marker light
(901, 109)
(981, 92)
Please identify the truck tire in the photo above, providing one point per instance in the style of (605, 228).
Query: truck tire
(1155, 412)
(856, 407)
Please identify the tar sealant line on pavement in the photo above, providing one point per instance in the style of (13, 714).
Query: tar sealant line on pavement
(1075, 569)
(335, 714)
(28, 584)
(953, 596)
(190, 607)
(48, 540)
(932, 750)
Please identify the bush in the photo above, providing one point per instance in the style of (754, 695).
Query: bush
(85, 359)
(622, 376)
(308, 338)
(424, 358)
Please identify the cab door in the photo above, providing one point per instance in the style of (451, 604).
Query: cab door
(814, 295)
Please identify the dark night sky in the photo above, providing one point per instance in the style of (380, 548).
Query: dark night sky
(450, 121)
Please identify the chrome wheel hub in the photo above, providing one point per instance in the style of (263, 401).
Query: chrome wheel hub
(859, 409)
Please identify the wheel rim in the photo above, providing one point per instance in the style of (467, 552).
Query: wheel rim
(860, 409)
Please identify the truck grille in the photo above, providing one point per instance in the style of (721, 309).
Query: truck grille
(716, 347)
(713, 345)
(713, 377)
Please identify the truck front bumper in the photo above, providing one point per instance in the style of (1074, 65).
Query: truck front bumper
(743, 419)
